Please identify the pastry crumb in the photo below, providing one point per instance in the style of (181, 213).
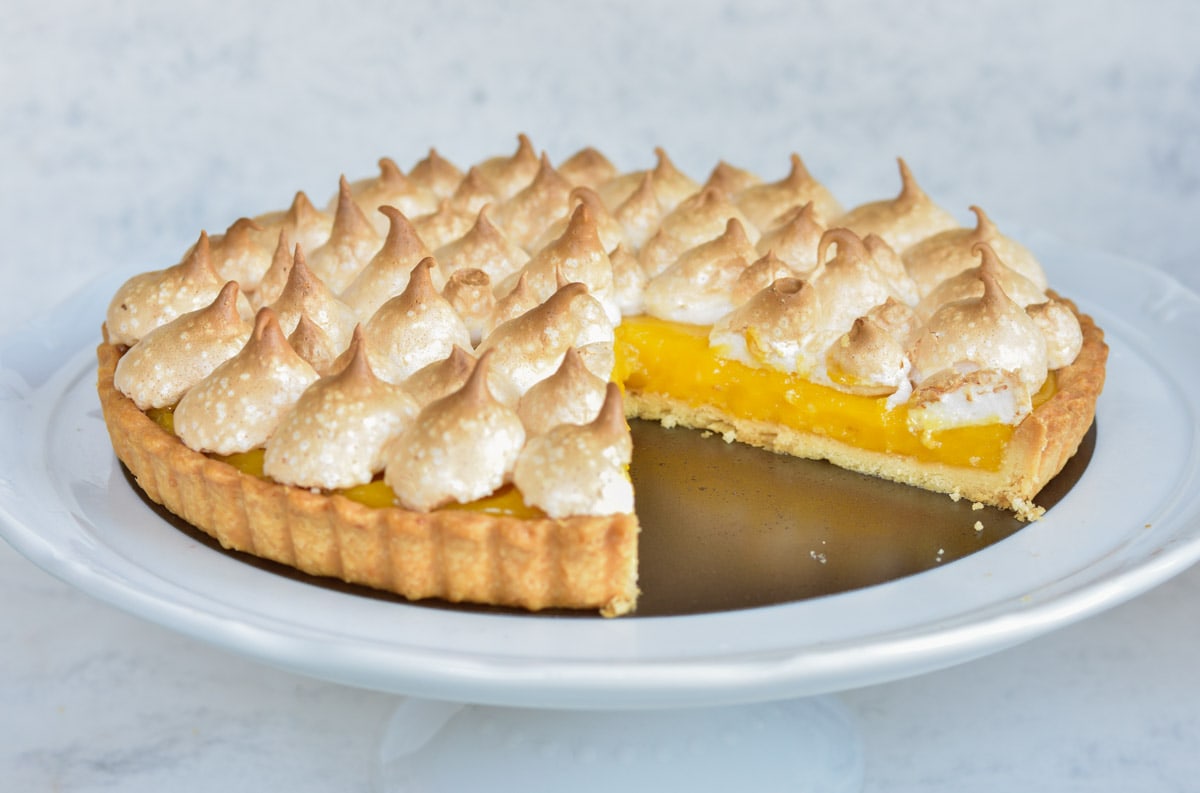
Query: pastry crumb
(729, 436)
(979, 525)
(976, 506)
(956, 497)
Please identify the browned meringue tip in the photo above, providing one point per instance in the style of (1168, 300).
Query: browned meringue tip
(268, 333)
(389, 172)
(585, 195)
(798, 174)
(420, 281)
(348, 217)
(302, 206)
(910, 191)
(226, 302)
(611, 418)
(239, 230)
(435, 170)
(476, 388)
(786, 286)
(735, 233)
(301, 280)
(848, 244)
(401, 233)
(358, 366)
(985, 229)
(729, 179)
(198, 261)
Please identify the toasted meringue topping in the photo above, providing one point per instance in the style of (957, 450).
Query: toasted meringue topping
(944, 255)
(1064, 338)
(763, 203)
(154, 298)
(530, 347)
(629, 281)
(580, 469)
(891, 267)
(314, 345)
(700, 218)
(305, 294)
(901, 221)
(759, 275)
(670, 185)
(519, 300)
(444, 226)
(460, 448)
(987, 332)
(415, 328)
(640, 214)
(334, 436)
(386, 275)
(850, 283)
(955, 399)
(473, 193)
(238, 254)
(794, 237)
(436, 173)
(509, 175)
(577, 255)
(730, 179)
(170, 359)
(587, 168)
(275, 279)
(390, 188)
(572, 395)
(967, 284)
(868, 360)
(898, 319)
(440, 378)
(611, 232)
(525, 214)
(351, 244)
(304, 224)
(780, 327)
(698, 287)
(470, 293)
(238, 405)
(485, 248)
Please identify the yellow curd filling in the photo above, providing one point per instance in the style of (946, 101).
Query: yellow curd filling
(675, 360)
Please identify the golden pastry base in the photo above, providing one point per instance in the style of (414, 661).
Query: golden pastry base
(580, 562)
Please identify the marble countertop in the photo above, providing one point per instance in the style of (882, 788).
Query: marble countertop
(127, 127)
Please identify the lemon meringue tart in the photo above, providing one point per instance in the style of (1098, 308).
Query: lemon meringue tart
(423, 386)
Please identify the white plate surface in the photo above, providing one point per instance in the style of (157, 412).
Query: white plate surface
(1131, 522)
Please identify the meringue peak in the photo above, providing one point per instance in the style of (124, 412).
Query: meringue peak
(437, 173)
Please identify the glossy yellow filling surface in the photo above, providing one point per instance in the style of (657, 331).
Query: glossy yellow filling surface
(674, 360)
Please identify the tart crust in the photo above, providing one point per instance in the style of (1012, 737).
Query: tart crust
(582, 562)
(1038, 449)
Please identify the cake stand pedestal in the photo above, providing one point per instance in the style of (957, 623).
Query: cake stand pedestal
(809, 744)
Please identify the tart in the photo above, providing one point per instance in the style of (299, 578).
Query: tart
(424, 387)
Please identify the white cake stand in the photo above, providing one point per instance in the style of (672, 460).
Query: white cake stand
(584, 703)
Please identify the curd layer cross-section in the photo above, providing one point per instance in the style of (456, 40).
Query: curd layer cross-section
(675, 360)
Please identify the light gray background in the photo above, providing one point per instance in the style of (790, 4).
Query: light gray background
(126, 127)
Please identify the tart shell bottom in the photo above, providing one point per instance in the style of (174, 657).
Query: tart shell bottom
(1039, 448)
(584, 562)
